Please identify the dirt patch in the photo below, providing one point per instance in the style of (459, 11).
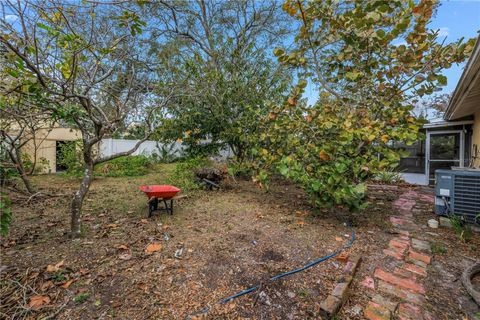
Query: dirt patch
(271, 255)
(216, 244)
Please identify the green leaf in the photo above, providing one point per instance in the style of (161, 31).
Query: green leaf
(442, 80)
(278, 52)
(43, 26)
(283, 170)
(353, 75)
(383, 8)
(302, 83)
(12, 72)
(381, 33)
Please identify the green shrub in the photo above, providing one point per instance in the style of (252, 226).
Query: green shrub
(5, 213)
(71, 158)
(184, 177)
(166, 153)
(240, 168)
(388, 176)
(40, 165)
(125, 166)
(462, 229)
(8, 172)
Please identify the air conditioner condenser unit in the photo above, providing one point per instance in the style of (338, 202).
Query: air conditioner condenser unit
(458, 192)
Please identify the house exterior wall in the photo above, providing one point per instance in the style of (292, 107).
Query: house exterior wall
(476, 137)
(45, 145)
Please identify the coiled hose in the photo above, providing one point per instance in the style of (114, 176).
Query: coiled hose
(288, 273)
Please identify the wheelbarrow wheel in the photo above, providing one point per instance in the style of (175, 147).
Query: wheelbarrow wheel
(149, 212)
(152, 206)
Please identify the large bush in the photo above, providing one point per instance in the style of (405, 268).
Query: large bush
(71, 158)
(227, 77)
(369, 60)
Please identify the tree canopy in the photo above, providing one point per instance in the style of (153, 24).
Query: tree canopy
(371, 61)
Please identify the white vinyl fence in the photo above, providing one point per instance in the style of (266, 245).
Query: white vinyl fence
(113, 146)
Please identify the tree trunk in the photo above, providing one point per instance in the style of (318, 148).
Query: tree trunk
(79, 196)
(16, 159)
(26, 181)
(238, 151)
(77, 201)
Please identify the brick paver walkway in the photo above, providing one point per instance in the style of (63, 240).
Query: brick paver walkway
(397, 281)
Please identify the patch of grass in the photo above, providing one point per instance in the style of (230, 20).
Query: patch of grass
(78, 284)
(81, 297)
(302, 293)
(125, 167)
(463, 230)
(438, 249)
(58, 276)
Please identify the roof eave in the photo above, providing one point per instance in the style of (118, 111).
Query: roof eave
(459, 93)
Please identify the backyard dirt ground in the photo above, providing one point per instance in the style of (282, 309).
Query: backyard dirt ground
(217, 243)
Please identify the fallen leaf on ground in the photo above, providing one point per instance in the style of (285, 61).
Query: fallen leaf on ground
(112, 225)
(36, 302)
(122, 247)
(143, 286)
(143, 221)
(153, 247)
(301, 213)
(125, 256)
(46, 285)
(300, 222)
(67, 284)
(54, 268)
(342, 257)
(83, 271)
(338, 239)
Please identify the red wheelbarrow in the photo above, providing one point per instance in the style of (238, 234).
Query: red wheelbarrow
(164, 193)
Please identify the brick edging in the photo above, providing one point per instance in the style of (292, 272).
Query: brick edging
(339, 295)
